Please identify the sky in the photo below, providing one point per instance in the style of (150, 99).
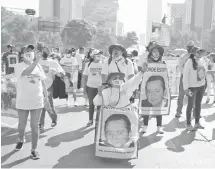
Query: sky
(128, 18)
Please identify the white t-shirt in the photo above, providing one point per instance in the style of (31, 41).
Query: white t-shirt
(49, 66)
(127, 69)
(122, 95)
(29, 88)
(70, 65)
(79, 57)
(193, 78)
(93, 71)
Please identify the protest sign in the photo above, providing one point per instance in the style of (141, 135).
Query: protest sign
(161, 33)
(12, 60)
(174, 75)
(155, 94)
(73, 70)
(117, 134)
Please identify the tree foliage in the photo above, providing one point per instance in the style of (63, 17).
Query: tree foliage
(78, 33)
(19, 30)
(102, 37)
(128, 40)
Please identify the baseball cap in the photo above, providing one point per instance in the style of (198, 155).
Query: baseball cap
(191, 43)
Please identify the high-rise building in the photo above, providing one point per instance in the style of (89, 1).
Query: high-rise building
(64, 10)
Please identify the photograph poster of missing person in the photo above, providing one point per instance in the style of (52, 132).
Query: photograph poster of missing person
(155, 93)
(117, 133)
(12, 60)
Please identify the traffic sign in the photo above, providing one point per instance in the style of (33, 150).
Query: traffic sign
(49, 26)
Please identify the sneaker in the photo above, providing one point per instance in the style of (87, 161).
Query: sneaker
(90, 123)
(207, 101)
(41, 127)
(35, 155)
(178, 115)
(143, 129)
(19, 145)
(190, 128)
(159, 130)
(54, 123)
(198, 126)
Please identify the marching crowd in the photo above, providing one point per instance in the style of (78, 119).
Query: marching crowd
(42, 76)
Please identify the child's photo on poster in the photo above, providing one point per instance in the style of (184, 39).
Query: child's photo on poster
(117, 132)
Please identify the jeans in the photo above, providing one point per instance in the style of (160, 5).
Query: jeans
(180, 96)
(79, 80)
(23, 117)
(53, 114)
(91, 94)
(146, 120)
(196, 99)
(209, 81)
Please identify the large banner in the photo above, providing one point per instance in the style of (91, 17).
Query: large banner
(161, 33)
(155, 94)
(118, 134)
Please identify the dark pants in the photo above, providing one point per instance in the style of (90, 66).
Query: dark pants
(79, 80)
(196, 99)
(146, 120)
(180, 96)
(91, 94)
(6, 99)
(53, 114)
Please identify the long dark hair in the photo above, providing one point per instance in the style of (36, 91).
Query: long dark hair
(194, 61)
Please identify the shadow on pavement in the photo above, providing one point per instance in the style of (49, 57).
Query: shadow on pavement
(210, 118)
(63, 109)
(12, 139)
(146, 141)
(6, 131)
(173, 124)
(10, 165)
(5, 157)
(206, 106)
(68, 136)
(181, 140)
(84, 157)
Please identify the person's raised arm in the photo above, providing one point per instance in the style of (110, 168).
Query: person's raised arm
(32, 66)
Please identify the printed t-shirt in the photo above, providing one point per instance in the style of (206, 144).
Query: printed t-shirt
(29, 88)
(49, 66)
(70, 65)
(93, 71)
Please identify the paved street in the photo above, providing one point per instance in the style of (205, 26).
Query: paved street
(70, 144)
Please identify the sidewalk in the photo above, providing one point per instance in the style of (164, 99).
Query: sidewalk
(70, 144)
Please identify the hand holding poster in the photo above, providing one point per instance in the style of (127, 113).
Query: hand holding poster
(118, 133)
(155, 95)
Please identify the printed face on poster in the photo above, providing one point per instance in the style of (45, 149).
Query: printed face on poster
(12, 60)
(155, 96)
(161, 33)
(118, 132)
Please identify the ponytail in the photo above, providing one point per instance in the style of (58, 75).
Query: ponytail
(194, 61)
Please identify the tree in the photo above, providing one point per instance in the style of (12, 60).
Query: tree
(102, 37)
(78, 33)
(128, 40)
